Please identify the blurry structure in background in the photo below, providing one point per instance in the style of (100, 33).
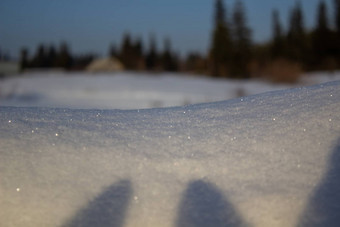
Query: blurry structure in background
(7, 65)
(9, 68)
(105, 65)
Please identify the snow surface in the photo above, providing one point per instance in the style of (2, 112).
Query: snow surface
(265, 160)
(128, 90)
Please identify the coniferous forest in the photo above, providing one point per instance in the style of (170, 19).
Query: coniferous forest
(232, 52)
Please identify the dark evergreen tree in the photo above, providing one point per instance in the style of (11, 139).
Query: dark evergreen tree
(221, 47)
(138, 47)
(337, 15)
(322, 37)
(138, 51)
(337, 31)
(64, 57)
(51, 57)
(168, 60)
(196, 63)
(126, 52)
(131, 53)
(40, 57)
(220, 12)
(113, 52)
(296, 39)
(80, 62)
(322, 20)
(23, 59)
(151, 61)
(277, 47)
(242, 41)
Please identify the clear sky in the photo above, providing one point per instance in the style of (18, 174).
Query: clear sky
(91, 26)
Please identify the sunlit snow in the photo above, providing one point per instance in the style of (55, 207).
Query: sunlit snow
(266, 160)
(128, 90)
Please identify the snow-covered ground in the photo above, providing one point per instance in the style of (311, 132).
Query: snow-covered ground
(265, 160)
(131, 90)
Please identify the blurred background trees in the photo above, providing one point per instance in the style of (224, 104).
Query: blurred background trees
(221, 47)
(241, 41)
(232, 52)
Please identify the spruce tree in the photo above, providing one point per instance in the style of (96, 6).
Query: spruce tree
(64, 58)
(23, 59)
(138, 54)
(40, 57)
(151, 61)
(322, 20)
(113, 52)
(168, 60)
(241, 40)
(277, 47)
(52, 56)
(296, 38)
(220, 52)
(126, 52)
(219, 12)
(337, 31)
(337, 15)
(138, 47)
(322, 40)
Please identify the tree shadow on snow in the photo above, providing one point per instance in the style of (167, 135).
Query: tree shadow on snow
(204, 205)
(323, 208)
(108, 209)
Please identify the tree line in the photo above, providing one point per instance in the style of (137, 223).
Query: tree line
(232, 52)
(131, 53)
(134, 56)
(52, 57)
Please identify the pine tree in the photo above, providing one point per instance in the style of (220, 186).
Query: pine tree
(40, 57)
(23, 59)
(152, 56)
(322, 40)
(126, 52)
(277, 47)
(168, 60)
(220, 52)
(322, 19)
(113, 52)
(337, 15)
(131, 53)
(296, 38)
(241, 40)
(337, 31)
(51, 57)
(138, 47)
(138, 54)
(220, 12)
(64, 58)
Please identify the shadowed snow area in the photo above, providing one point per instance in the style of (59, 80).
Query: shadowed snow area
(264, 160)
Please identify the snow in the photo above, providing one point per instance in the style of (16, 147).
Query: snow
(131, 90)
(265, 160)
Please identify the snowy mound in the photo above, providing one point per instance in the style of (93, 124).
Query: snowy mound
(265, 160)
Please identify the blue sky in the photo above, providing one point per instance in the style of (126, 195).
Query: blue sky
(91, 26)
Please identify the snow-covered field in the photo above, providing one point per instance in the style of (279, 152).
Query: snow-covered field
(131, 90)
(266, 160)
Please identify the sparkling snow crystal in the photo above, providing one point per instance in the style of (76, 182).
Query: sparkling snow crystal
(266, 160)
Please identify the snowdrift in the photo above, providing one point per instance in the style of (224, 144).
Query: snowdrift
(266, 160)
